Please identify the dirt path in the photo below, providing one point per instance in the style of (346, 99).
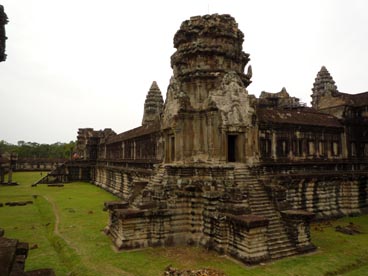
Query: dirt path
(56, 226)
(100, 269)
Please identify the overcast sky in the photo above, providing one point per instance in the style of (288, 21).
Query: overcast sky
(83, 63)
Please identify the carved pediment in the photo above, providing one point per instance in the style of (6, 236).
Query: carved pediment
(232, 100)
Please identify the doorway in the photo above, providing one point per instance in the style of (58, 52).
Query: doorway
(231, 148)
(172, 148)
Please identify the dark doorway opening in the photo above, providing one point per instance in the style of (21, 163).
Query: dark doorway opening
(231, 148)
(172, 150)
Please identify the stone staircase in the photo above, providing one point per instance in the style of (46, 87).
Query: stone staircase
(279, 244)
(57, 174)
(155, 184)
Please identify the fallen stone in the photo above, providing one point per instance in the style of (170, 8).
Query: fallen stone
(41, 272)
(55, 185)
(350, 229)
(18, 203)
(170, 271)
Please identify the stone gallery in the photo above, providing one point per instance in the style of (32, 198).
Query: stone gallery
(217, 167)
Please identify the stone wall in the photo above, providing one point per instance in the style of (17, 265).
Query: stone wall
(13, 255)
(125, 183)
(208, 205)
(326, 193)
(39, 164)
(328, 197)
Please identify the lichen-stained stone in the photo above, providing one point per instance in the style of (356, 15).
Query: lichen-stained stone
(3, 38)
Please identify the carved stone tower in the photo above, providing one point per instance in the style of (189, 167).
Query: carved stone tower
(153, 105)
(207, 110)
(207, 48)
(3, 22)
(324, 85)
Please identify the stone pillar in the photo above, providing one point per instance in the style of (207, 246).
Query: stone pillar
(248, 238)
(10, 175)
(134, 150)
(1, 175)
(273, 145)
(298, 229)
(12, 165)
(223, 147)
(179, 143)
(80, 173)
(344, 145)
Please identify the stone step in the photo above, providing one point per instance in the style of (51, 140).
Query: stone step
(262, 206)
(275, 227)
(279, 247)
(282, 253)
(275, 223)
(277, 239)
(260, 201)
(277, 235)
(254, 195)
(262, 209)
(267, 214)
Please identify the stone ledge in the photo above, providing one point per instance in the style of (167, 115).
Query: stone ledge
(248, 221)
(129, 213)
(297, 214)
(306, 249)
(112, 205)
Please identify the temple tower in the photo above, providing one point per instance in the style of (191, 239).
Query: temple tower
(207, 48)
(207, 109)
(153, 105)
(3, 22)
(324, 85)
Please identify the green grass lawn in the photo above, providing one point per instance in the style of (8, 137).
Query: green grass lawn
(79, 247)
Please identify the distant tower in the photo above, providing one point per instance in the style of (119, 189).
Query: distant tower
(3, 22)
(324, 85)
(153, 105)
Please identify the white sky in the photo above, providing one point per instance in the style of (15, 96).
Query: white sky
(84, 63)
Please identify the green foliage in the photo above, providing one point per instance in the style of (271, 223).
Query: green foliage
(79, 247)
(35, 150)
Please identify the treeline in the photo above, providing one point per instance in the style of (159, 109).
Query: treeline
(34, 150)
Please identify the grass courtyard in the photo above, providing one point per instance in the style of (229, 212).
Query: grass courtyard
(66, 224)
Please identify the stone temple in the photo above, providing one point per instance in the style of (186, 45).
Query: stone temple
(216, 167)
(3, 22)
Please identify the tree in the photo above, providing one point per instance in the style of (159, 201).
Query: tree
(36, 150)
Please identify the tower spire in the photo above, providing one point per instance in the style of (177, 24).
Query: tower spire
(153, 105)
(323, 84)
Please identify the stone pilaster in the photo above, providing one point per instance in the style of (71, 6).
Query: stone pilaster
(298, 229)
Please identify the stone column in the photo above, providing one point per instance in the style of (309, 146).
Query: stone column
(134, 150)
(298, 229)
(248, 238)
(273, 145)
(223, 142)
(12, 165)
(80, 173)
(10, 175)
(344, 145)
(1, 175)
(179, 147)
